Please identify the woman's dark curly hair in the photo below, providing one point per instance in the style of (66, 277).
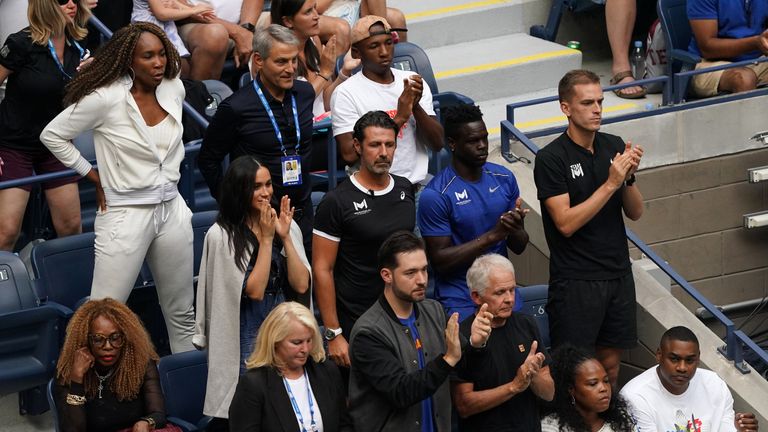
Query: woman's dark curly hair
(565, 362)
(114, 60)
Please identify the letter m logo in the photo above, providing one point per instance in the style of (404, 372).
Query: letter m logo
(576, 171)
(461, 195)
(361, 205)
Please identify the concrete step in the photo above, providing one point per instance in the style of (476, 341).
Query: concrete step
(502, 66)
(433, 23)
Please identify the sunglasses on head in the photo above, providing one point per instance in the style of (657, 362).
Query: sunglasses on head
(100, 341)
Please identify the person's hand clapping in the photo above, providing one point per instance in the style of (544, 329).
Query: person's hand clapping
(283, 222)
(481, 327)
(452, 341)
(267, 221)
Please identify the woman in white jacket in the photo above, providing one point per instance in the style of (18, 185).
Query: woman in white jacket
(131, 97)
(252, 256)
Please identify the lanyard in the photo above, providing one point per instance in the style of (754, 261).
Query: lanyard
(312, 424)
(274, 122)
(56, 57)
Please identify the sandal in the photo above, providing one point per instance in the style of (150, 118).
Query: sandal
(621, 92)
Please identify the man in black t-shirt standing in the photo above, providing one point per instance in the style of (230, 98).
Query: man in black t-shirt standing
(352, 222)
(495, 387)
(585, 179)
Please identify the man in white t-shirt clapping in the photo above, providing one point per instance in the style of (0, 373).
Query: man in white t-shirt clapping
(402, 94)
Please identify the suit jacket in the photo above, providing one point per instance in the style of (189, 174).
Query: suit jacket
(261, 403)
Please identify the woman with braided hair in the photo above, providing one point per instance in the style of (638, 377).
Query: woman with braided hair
(38, 61)
(584, 400)
(131, 97)
(106, 378)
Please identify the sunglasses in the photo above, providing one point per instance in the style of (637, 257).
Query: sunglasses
(64, 2)
(100, 341)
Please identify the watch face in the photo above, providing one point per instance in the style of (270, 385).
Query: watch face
(329, 334)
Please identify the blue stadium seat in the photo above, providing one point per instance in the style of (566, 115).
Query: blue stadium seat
(29, 336)
(183, 377)
(548, 31)
(534, 301)
(677, 33)
(64, 269)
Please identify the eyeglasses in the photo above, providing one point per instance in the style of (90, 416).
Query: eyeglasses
(100, 341)
(64, 2)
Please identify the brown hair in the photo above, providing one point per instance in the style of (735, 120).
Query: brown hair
(46, 19)
(136, 352)
(114, 61)
(572, 79)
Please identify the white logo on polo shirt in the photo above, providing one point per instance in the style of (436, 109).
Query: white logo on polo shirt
(576, 171)
(360, 206)
(461, 195)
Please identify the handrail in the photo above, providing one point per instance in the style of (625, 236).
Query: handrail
(513, 106)
(680, 78)
(734, 339)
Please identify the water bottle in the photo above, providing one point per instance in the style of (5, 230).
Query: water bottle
(638, 61)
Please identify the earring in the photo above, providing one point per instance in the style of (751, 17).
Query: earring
(131, 73)
(573, 400)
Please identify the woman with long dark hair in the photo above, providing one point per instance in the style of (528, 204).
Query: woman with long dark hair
(38, 62)
(251, 257)
(317, 62)
(584, 400)
(131, 97)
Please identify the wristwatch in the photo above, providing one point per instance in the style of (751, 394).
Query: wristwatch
(330, 334)
(248, 26)
(631, 180)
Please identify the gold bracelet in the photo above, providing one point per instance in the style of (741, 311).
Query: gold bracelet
(75, 399)
(149, 420)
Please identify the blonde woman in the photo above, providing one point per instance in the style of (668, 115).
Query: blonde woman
(289, 384)
(38, 62)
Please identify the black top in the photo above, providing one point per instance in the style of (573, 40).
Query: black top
(107, 414)
(241, 126)
(497, 364)
(360, 221)
(35, 89)
(598, 250)
(261, 402)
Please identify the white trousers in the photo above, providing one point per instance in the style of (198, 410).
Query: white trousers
(162, 233)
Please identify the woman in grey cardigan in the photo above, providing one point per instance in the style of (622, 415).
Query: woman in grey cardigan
(251, 256)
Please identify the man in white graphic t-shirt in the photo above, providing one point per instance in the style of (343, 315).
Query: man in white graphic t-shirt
(401, 94)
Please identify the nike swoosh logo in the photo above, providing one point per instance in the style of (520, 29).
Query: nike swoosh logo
(492, 190)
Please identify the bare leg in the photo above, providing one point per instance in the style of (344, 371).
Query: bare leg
(610, 358)
(13, 202)
(395, 17)
(330, 26)
(737, 80)
(208, 45)
(619, 20)
(64, 202)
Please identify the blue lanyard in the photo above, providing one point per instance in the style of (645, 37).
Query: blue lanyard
(56, 57)
(295, 405)
(274, 122)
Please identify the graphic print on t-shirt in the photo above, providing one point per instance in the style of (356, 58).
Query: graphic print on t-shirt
(685, 424)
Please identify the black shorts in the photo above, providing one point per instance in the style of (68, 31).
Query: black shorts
(589, 313)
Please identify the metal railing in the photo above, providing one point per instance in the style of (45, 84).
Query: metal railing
(735, 340)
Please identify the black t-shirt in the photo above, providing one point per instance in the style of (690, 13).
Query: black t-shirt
(598, 250)
(241, 126)
(35, 89)
(360, 221)
(497, 364)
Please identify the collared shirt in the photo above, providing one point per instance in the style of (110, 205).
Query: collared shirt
(241, 126)
(35, 89)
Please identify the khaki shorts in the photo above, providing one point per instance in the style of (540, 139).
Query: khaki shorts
(186, 29)
(705, 85)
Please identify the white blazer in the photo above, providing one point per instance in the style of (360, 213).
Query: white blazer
(130, 167)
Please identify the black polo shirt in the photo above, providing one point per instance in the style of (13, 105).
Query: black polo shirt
(241, 126)
(34, 91)
(598, 250)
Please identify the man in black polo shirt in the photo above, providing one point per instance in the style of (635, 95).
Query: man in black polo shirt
(585, 179)
(352, 222)
(270, 119)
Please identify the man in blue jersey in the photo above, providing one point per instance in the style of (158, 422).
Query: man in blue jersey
(470, 209)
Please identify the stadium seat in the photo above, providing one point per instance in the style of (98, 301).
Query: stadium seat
(183, 377)
(677, 32)
(534, 299)
(52, 404)
(86, 188)
(548, 31)
(219, 91)
(63, 269)
(29, 336)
